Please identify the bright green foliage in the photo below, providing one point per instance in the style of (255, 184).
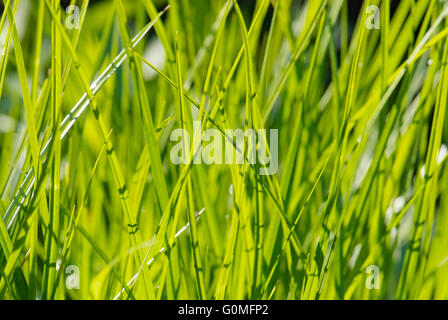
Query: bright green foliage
(92, 206)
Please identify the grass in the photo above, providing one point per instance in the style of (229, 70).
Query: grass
(92, 206)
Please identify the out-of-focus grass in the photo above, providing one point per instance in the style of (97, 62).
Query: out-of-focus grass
(89, 193)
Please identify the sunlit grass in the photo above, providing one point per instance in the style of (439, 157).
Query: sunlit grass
(93, 207)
